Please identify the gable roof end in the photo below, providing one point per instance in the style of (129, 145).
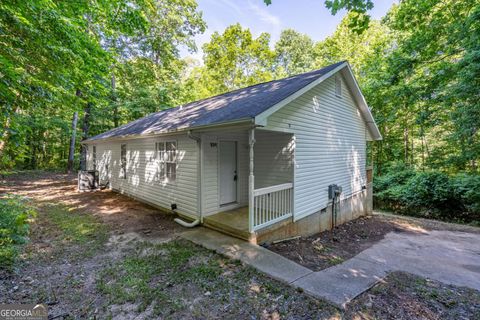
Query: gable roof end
(345, 69)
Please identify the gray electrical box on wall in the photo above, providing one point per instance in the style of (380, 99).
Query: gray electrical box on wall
(333, 191)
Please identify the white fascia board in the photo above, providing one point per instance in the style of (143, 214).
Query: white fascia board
(363, 106)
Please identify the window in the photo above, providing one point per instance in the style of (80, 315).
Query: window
(338, 86)
(166, 154)
(123, 161)
(94, 157)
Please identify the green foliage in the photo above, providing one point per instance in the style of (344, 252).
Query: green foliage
(60, 57)
(419, 68)
(15, 213)
(430, 194)
(234, 59)
(358, 10)
(423, 95)
(293, 53)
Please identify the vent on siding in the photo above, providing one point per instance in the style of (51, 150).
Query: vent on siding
(338, 86)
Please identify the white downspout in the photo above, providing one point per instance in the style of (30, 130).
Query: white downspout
(199, 186)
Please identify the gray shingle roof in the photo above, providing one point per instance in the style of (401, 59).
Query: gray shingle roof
(232, 106)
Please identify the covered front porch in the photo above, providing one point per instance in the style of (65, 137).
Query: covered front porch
(263, 172)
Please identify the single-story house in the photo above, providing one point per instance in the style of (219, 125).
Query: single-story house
(261, 163)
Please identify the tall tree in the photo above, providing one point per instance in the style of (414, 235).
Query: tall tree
(235, 59)
(293, 53)
(49, 50)
(433, 67)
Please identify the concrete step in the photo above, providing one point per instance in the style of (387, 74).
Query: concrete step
(228, 229)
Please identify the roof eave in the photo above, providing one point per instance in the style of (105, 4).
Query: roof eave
(170, 132)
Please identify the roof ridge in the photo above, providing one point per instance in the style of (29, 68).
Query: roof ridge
(243, 88)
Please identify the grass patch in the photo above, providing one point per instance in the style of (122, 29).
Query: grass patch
(69, 228)
(75, 227)
(334, 260)
(15, 215)
(179, 279)
(145, 277)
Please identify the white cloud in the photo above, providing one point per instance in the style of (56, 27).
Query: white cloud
(255, 16)
(232, 5)
(264, 14)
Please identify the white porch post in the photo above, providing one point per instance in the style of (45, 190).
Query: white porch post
(251, 180)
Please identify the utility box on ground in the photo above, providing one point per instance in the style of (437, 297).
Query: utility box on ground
(87, 180)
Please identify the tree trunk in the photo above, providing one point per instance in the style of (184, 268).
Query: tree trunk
(114, 101)
(71, 152)
(85, 129)
(405, 143)
(422, 134)
(412, 149)
(6, 131)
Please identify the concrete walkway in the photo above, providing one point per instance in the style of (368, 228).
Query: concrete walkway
(258, 257)
(446, 256)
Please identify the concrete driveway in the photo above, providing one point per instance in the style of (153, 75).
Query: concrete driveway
(446, 256)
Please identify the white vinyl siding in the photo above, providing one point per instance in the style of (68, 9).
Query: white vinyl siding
(104, 162)
(142, 182)
(330, 144)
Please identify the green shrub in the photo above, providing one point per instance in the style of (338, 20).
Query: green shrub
(15, 213)
(430, 194)
(467, 188)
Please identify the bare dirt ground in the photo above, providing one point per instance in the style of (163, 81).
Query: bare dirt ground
(120, 213)
(102, 255)
(405, 296)
(332, 247)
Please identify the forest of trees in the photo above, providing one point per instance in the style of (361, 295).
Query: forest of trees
(115, 61)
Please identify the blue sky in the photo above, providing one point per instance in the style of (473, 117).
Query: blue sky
(306, 16)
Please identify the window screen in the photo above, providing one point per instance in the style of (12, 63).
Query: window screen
(166, 153)
(94, 157)
(123, 161)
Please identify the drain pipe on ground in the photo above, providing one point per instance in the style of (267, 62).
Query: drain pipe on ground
(196, 222)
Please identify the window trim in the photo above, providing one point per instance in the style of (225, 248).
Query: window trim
(123, 161)
(338, 86)
(164, 160)
(94, 157)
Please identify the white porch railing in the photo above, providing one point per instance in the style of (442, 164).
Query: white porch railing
(270, 205)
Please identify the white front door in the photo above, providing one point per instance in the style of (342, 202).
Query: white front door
(228, 172)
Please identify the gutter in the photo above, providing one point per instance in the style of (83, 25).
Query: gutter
(169, 132)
